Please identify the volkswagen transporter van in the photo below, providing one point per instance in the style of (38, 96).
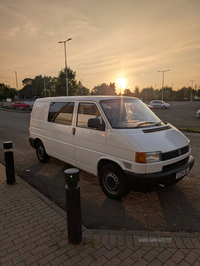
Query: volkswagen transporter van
(118, 139)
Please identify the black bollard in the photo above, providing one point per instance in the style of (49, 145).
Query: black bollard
(9, 162)
(73, 203)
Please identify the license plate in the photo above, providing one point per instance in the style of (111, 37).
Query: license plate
(182, 173)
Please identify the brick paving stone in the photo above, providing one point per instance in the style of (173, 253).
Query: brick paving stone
(62, 250)
(74, 251)
(178, 257)
(195, 242)
(120, 240)
(46, 259)
(113, 262)
(124, 254)
(98, 253)
(156, 263)
(15, 247)
(34, 258)
(141, 262)
(179, 242)
(38, 249)
(32, 239)
(9, 257)
(184, 263)
(112, 253)
(187, 242)
(113, 240)
(21, 239)
(164, 256)
(129, 240)
(99, 262)
(104, 239)
(59, 260)
(21, 264)
(191, 257)
(151, 255)
(86, 252)
(5, 246)
(170, 263)
(8, 263)
(197, 263)
(86, 261)
(10, 238)
(185, 250)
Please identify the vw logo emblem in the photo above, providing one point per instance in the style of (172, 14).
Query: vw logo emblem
(179, 152)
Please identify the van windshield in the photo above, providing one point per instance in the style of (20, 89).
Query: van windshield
(129, 113)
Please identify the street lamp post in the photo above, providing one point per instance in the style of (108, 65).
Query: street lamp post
(66, 61)
(17, 85)
(192, 88)
(163, 71)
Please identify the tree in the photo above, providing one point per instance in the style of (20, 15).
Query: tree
(60, 83)
(104, 89)
(127, 92)
(46, 93)
(136, 92)
(82, 90)
(147, 93)
(6, 91)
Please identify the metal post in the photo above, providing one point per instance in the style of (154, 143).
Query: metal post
(73, 203)
(9, 162)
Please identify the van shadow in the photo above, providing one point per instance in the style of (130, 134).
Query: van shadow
(178, 211)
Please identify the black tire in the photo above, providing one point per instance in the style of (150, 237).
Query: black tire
(43, 157)
(112, 181)
(164, 107)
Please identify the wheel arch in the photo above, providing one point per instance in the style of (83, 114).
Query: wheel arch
(105, 161)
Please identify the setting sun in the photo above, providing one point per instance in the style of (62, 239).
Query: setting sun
(121, 82)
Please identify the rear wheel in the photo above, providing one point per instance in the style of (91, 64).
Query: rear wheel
(112, 181)
(43, 157)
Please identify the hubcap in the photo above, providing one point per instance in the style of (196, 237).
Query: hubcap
(40, 152)
(111, 183)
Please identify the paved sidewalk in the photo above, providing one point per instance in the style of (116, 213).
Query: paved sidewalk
(33, 231)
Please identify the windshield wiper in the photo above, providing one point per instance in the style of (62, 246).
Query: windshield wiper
(147, 122)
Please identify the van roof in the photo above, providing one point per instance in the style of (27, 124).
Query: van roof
(82, 98)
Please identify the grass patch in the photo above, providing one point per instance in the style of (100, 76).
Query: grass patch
(190, 129)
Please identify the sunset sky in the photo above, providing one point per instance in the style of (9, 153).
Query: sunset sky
(112, 40)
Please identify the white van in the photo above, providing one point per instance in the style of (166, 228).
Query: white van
(116, 138)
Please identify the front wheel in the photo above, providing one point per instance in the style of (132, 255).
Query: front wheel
(43, 157)
(112, 182)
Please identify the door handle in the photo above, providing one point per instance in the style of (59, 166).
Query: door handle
(73, 130)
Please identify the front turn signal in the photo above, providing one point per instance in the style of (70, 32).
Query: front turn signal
(140, 157)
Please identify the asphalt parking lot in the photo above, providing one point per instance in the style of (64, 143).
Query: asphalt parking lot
(181, 114)
(174, 208)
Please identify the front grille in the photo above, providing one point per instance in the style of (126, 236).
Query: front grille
(174, 165)
(175, 153)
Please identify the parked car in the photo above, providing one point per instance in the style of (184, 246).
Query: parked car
(7, 105)
(159, 104)
(150, 106)
(198, 114)
(21, 105)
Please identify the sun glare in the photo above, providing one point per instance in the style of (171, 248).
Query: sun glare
(121, 82)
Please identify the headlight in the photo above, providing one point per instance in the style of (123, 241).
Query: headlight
(147, 157)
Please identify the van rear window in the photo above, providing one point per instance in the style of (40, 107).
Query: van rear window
(61, 112)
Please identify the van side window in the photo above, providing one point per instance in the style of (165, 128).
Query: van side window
(61, 113)
(87, 111)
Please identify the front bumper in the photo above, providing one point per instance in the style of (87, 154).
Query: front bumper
(145, 182)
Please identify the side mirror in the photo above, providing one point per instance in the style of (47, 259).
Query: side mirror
(95, 123)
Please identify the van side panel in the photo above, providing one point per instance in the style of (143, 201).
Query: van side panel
(59, 142)
(38, 120)
(89, 147)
